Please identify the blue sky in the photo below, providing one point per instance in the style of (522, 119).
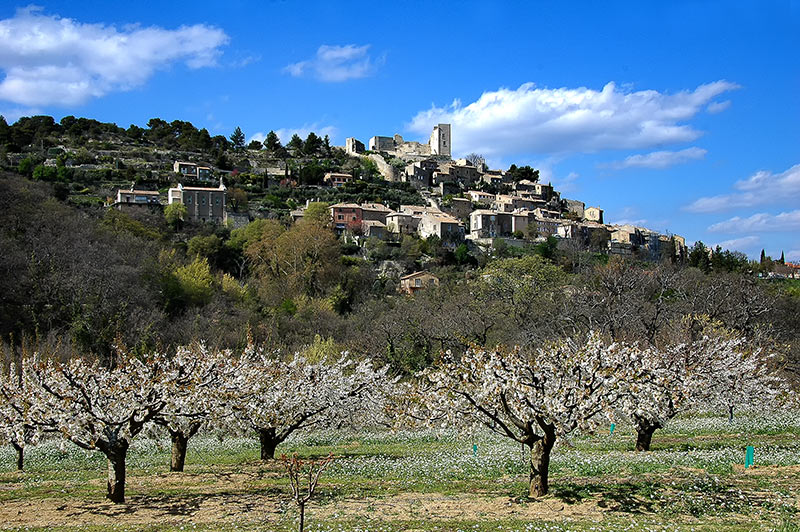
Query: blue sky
(678, 116)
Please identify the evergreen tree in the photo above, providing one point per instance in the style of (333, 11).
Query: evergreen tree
(237, 138)
(782, 259)
(312, 144)
(272, 142)
(763, 256)
(296, 143)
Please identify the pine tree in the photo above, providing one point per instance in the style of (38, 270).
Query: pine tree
(272, 142)
(763, 256)
(237, 138)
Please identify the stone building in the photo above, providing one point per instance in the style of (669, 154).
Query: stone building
(440, 141)
(353, 146)
(203, 204)
(593, 214)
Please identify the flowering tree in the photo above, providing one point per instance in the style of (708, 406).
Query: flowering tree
(198, 379)
(280, 397)
(740, 375)
(96, 408)
(16, 426)
(531, 397)
(718, 369)
(665, 383)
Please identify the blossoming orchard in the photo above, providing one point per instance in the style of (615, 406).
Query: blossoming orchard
(534, 397)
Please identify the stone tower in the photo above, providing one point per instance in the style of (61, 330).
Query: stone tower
(440, 142)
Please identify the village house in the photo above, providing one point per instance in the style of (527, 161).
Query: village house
(375, 212)
(532, 190)
(192, 170)
(402, 223)
(374, 229)
(574, 208)
(487, 223)
(420, 173)
(460, 208)
(437, 223)
(336, 180)
(346, 216)
(546, 226)
(507, 203)
(128, 200)
(203, 204)
(480, 197)
(463, 174)
(495, 177)
(593, 214)
(413, 282)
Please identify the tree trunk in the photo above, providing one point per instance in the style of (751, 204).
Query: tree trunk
(20, 455)
(540, 463)
(269, 441)
(179, 444)
(644, 435)
(116, 471)
(302, 516)
(730, 413)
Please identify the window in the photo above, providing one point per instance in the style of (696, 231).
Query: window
(418, 282)
(189, 200)
(203, 200)
(217, 201)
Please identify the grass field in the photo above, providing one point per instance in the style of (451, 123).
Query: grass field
(382, 481)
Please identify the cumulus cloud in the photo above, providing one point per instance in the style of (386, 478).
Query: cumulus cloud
(744, 244)
(762, 188)
(540, 120)
(334, 63)
(658, 159)
(285, 134)
(760, 222)
(52, 60)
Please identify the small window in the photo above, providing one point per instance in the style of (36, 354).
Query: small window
(203, 200)
(418, 282)
(189, 200)
(217, 201)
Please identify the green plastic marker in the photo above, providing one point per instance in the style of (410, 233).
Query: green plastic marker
(613, 426)
(474, 449)
(749, 457)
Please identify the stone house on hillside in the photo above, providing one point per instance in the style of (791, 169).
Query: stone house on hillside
(417, 281)
(203, 204)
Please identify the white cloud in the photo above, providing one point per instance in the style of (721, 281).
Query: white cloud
(658, 159)
(760, 222)
(793, 255)
(285, 134)
(762, 188)
(567, 184)
(52, 60)
(534, 120)
(718, 107)
(640, 222)
(744, 244)
(334, 63)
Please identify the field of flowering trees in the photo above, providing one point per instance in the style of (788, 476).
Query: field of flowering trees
(583, 434)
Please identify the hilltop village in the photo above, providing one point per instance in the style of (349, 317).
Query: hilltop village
(464, 201)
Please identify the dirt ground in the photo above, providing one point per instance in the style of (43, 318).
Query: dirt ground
(236, 497)
(222, 508)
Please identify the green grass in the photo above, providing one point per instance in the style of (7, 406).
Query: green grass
(689, 481)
